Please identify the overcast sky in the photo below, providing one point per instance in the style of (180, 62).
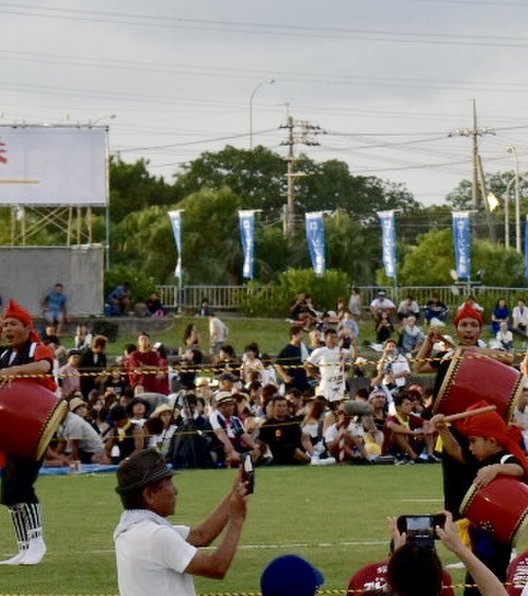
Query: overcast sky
(386, 80)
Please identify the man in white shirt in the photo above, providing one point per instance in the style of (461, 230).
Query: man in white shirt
(330, 360)
(520, 317)
(218, 332)
(154, 557)
(381, 304)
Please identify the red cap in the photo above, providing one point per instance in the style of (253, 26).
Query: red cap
(15, 311)
(468, 312)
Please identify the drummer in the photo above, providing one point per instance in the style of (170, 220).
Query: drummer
(25, 355)
(468, 328)
(494, 449)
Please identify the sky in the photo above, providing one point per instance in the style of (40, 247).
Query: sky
(386, 81)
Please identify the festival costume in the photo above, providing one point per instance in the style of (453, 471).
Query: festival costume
(21, 473)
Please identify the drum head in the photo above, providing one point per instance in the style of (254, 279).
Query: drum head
(48, 430)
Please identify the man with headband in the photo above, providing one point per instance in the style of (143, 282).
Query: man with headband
(25, 355)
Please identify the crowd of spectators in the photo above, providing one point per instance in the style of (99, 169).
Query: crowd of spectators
(206, 405)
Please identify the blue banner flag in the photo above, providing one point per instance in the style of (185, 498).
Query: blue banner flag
(462, 243)
(526, 248)
(315, 236)
(388, 242)
(175, 217)
(247, 237)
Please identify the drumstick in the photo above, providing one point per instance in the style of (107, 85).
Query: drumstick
(469, 413)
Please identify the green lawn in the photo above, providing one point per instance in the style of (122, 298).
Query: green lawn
(334, 516)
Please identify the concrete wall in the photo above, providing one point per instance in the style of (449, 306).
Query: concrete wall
(27, 273)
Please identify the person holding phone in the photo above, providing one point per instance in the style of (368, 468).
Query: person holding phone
(154, 557)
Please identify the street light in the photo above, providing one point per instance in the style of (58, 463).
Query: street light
(261, 84)
(513, 151)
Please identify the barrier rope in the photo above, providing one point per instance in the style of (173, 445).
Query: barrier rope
(219, 369)
(320, 592)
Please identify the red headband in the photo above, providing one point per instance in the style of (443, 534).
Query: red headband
(491, 426)
(468, 312)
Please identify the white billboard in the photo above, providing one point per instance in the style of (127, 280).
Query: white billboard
(48, 166)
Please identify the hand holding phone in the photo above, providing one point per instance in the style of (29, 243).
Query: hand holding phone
(248, 472)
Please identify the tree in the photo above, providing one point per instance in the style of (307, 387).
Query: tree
(432, 259)
(256, 175)
(132, 188)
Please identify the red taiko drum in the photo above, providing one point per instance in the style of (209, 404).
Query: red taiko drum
(472, 377)
(500, 507)
(29, 415)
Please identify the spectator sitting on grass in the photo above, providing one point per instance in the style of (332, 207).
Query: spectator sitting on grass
(284, 437)
(125, 438)
(345, 439)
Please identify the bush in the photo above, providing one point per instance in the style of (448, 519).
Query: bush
(141, 286)
(276, 299)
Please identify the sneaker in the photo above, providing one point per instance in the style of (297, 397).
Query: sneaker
(16, 560)
(432, 459)
(404, 461)
(35, 553)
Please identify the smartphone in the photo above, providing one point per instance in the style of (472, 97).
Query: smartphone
(248, 472)
(420, 528)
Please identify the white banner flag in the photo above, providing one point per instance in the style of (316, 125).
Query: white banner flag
(48, 166)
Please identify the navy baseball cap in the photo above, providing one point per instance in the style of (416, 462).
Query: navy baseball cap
(290, 575)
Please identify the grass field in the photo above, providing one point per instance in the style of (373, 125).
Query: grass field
(334, 516)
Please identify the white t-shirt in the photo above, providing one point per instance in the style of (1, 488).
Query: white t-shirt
(384, 304)
(329, 361)
(151, 560)
(76, 427)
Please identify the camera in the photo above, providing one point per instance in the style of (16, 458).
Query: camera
(248, 472)
(420, 529)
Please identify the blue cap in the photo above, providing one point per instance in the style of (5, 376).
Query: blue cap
(290, 575)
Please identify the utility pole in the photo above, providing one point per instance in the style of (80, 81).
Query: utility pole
(475, 133)
(299, 132)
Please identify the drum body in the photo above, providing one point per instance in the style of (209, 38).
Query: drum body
(472, 377)
(29, 415)
(500, 507)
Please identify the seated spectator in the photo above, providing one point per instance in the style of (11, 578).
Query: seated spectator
(69, 375)
(411, 335)
(348, 330)
(501, 312)
(520, 318)
(116, 380)
(295, 403)
(93, 360)
(384, 328)
(393, 371)
(125, 438)
(408, 307)
(471, 302)
(283, 436)
(161, 433)
(312, 425)
(83, 338)
(504, 338)
(205, 309)
(191, 338)
(146, 368)
(435, 309)
(354, 303)
(230, 431)
(290, 575)
(189, 367)
(345, 439)
(138, 411)
(119, 301)
(228, 361)
(81, 443)
(154, 306)
(381, 304)
(54, 307)
(403, 436)
(251, 363)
